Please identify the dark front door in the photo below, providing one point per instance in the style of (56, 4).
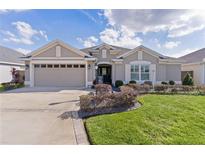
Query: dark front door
(104, 74)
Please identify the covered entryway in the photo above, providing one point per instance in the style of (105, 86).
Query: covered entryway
(104, 73)
(59, 75)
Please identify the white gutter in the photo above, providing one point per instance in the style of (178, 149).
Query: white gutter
(2, 62)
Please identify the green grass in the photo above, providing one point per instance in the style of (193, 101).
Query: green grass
(1, 88)
(162, 119)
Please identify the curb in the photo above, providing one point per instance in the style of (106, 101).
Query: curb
(79, 130)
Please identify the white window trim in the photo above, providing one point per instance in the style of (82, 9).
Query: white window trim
(140, 73)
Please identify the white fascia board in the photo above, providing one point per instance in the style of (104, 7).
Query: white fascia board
(10, 63)
(117, 60)
(90, 59)
(196, 63)
(57, 58)
(57, 62)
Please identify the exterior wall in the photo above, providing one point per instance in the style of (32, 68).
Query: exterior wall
(27, 72)
(150, 58)
(5, 71)
(51, 52)
(173, 72)
(99, 56)
(67, 53)
(119, 72)
(198, 71)
(130, 58)
(161, 72)
(91, 72)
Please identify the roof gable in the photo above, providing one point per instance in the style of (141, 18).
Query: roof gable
(145, 49)
(53, 44)
(196, 56)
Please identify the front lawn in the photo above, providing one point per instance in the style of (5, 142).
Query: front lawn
(162, 119)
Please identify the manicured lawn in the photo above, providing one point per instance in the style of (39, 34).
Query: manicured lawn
(162, 119)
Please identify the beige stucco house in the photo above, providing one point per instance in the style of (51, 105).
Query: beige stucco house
(59, 64)
(195, 65)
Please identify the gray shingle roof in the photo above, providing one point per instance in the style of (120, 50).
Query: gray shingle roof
(120, 49)
(193, 57)
(10, 55)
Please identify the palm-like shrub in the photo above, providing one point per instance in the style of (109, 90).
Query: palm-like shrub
(188, 80)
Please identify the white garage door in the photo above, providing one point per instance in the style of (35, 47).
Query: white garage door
(59, 75)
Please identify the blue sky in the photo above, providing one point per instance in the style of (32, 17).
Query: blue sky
(170, 32)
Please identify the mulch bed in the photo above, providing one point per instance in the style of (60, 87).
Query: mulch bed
(86, 114)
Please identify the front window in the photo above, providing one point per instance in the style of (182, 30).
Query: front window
(140, 72)
(144, 72)
(134, 72)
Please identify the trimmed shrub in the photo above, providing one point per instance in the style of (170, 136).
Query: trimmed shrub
(171, 82)
(133, 82)
(134, 86)
(103, 89)
(188, 80)
(148, 83)
(161, 88)
(126, 98)
(201, 89)
(118, 83)
(163, 82)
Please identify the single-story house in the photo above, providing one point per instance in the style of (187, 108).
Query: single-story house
(59, 64)
(9, 59)
(195, 65)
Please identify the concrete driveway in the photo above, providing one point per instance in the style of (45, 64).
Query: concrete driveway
(38, 116)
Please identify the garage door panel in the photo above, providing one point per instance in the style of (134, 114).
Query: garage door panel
(73, 77)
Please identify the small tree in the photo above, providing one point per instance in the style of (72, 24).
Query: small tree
(188, 80)
(15, 75)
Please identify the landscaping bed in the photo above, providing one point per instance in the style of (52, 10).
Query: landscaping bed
(10, 85)
(162, 119)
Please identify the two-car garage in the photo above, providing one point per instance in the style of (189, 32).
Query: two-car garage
(59, 75)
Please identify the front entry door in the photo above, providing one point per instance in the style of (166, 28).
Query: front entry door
(104, 74)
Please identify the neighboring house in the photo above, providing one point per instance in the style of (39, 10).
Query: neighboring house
(9, 59)
(59, 64)
(195, 65)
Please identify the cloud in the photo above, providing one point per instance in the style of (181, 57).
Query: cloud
(25, 34)
(184, 52)
(171, 44)
(177, 23)
(120, 36)
(24, 51)
(88, 42)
